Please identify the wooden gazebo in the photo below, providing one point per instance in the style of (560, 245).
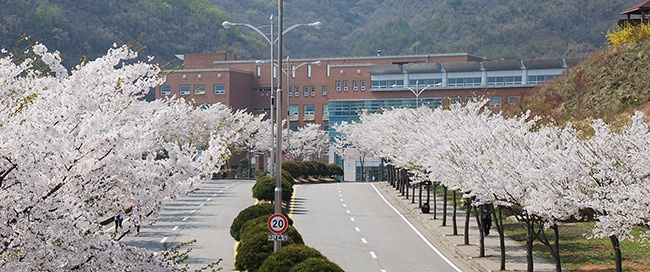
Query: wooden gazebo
(635, 15)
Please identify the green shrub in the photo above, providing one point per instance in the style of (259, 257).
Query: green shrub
(334, 170)
(316, 264)
(264, 189)
(289, 256)
(254, 246)
(320, 169)
(308, 169)
(287, 176)
(294, 169)
(252, 212)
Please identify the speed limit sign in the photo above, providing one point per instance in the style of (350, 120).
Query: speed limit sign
(278, 223)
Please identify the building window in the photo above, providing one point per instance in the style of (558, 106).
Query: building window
(473, 81)
(338, 86)
(363, 85)
(455, 100)
(219, 89)
(345, 85)
(355, 85)
(326, 110)
(199, 89)
(514, 100)
(185, 89)
(496, 81)
(324, 89)
(165, 90)
(305, 90)
(309, 110)
(313, 90)
(513, 80)
(495, 102)
(296, 91)
(293, 110)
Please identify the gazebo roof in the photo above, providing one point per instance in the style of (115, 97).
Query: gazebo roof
(638, 8)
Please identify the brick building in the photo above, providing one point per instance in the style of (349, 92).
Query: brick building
(337, 88)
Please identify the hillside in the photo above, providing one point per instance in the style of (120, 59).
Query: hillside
(495, 28)
(611, 84)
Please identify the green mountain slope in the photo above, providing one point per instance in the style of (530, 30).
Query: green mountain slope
(494, 28)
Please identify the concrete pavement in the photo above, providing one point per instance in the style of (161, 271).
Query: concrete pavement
(442, 236)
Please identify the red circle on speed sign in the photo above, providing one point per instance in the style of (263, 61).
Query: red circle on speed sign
(278, 223)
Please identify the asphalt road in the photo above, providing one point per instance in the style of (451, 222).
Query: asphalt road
(356, 227)
(205, 215)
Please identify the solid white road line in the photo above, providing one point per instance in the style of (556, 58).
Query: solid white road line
(417, 232)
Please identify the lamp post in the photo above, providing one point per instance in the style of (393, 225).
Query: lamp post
(272, 41)
(278, 143)
(417, 91)
(291, 70)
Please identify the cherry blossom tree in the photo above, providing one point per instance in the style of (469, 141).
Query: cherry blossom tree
(310, 141)
(79, 146)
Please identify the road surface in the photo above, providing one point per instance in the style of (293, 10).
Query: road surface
(205, 215)
(353, 225)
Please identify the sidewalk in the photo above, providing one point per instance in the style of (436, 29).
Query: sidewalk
(443, 236)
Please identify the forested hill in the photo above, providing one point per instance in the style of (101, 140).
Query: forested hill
(495, 28)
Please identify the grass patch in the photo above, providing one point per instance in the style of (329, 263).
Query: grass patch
(581, 254)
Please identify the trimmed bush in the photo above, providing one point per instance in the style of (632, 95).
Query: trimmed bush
(254, 246)
(321, 168)
(308, 168)
(252, 212)
(286, 176)
(334, 170)
(264, 189)
(317, 264)
(289, 256)
(294, 169)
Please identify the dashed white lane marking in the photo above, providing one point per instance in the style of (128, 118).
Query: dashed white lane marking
(192, 211)
(373, 255)
(363, 240)
(175, 228)
(383, 270)
(341, 199)
(208, 199)
(185, 218)
(163, 240)
(345, 205)
(357, 229)
(214, 194)
(347, 211)
(352, 219)
(340, 195)
(201, 205)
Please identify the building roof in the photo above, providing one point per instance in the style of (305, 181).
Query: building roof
(638, 8)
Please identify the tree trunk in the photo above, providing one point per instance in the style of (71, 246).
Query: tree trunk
(481, 239)
(435, 202)
(498, 222)
(453, 217)
(530, 238)
(420, 195)
(467, 214)
(444, 206)
(617, 252)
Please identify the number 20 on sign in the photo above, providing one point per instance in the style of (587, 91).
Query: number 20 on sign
(278, 223)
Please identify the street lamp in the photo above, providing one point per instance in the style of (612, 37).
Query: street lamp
(417, 91)
(272, 41)
(291, 70)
